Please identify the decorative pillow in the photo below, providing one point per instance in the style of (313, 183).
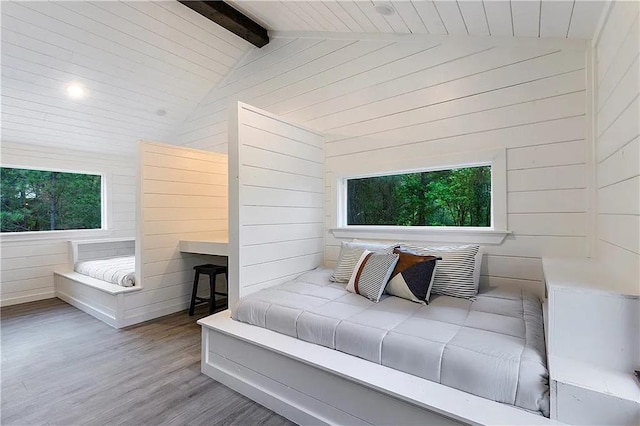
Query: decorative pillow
(371, 273)
(349, 255)
(412, 277)
(456, 273)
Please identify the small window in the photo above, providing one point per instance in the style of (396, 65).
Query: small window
(46, 200)
(459, 197)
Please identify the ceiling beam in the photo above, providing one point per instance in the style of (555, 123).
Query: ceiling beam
(231, 19)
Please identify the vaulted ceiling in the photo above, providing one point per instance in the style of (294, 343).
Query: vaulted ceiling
(146, 65)
(519, 18)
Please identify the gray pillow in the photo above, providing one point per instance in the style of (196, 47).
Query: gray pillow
(349, 255)
(371, 274)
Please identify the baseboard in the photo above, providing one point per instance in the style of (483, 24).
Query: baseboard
(25, 299)
(153, 314)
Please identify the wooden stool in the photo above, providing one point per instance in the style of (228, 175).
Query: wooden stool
(212, 271)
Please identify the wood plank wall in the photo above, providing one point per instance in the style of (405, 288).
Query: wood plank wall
(28, 264)
(277, 201)
(183, 195)
(391, 99)
(618, 139)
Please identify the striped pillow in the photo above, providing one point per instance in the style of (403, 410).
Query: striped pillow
(371, 273)
(456, 273)
(349, 255)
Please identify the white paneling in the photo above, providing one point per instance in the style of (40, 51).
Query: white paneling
(617, 134)
(584, 18)
(499, 18)
(28, 265)
(522, 18)
(555, 17)
(133, 59)
(526, 18)
(174, 207)
(427, 101)
(277, 216)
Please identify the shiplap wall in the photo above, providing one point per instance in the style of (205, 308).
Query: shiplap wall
(28, 264)
(182, 196)
(276, 192)
(617, 152)
(387, 99)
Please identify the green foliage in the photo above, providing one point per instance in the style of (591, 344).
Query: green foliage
(36, 200)
(460, 197)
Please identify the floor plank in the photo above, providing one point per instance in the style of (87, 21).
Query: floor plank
(61, 366)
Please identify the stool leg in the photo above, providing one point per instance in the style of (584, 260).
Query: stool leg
(212, 296)
(196, 278)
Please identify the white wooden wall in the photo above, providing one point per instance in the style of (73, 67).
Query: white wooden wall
(276, 191)
(384, 98)
(27, 263)
(183, 196)
(617, 148)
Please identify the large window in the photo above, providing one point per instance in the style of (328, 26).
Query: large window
(459, 197)
(45, 200)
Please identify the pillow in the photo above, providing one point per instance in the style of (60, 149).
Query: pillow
(456, 273)
(371, 273)
(349, 255)
(412, 277)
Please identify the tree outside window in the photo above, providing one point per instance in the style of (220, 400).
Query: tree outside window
(457, 197)
(40, 200)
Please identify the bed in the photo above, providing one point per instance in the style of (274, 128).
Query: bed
(492, 347)
(100, 275)
(115, 270)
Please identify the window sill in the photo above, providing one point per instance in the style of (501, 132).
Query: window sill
(54, 235)
(430, 234)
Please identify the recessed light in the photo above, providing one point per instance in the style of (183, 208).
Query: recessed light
(384, 9)
(75, 91)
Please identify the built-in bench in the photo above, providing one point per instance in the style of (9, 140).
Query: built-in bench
(98, 298)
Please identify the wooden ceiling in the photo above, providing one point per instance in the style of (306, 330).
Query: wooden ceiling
(139, 59)
(133, 58)
(521, 18)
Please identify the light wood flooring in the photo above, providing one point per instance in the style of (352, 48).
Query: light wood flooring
(61, 366)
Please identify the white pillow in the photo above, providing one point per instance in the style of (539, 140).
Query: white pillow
(458, 273)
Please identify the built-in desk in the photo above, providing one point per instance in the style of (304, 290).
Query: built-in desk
(211, 247)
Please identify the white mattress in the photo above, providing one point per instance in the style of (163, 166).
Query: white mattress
(115, 270)
(492, 347)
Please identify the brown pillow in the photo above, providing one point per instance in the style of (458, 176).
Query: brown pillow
(412, 276)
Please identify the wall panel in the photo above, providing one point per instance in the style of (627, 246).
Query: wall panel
(407, 100)
(183, 195)
(276, 222)
(617, 130)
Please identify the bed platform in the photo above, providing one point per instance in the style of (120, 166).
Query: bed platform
(434, 361)
(100, 299)
(311, 384)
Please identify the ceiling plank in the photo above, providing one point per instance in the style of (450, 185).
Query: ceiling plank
(231, 19)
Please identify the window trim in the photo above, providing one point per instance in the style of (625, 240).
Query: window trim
(105, 201)
(494, 234)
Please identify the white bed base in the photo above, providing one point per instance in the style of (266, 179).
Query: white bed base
(311, 384)
(100, 299)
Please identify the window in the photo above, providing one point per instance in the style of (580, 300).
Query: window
(459, 197)
(47, 200)
(409, 212)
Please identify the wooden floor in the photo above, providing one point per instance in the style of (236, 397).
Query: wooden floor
(61, 366)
